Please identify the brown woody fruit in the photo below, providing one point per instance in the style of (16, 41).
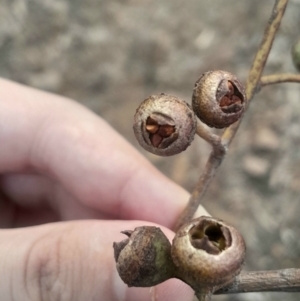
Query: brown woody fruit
(164, 124)
(208, 253)
(144, 259)
(218, 99)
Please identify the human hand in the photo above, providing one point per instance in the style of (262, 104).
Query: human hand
(61, 162)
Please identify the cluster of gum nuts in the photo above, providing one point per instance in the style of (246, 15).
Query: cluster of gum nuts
(165, 124)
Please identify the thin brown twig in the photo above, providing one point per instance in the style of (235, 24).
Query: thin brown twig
(259, 62)
(200, 189)
(279, 78)
(212, 139)
(254, 77)
(287, 280)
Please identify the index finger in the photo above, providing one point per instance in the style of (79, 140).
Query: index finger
(61, 138)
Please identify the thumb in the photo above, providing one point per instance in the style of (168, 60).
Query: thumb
(72, 261)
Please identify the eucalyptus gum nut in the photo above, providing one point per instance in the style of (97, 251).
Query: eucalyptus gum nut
(164, 124)
(208, 253)
(144, 259)
(218, 98)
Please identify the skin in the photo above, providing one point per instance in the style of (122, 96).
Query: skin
(68, 185)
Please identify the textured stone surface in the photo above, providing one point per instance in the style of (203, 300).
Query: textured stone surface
(111, 55)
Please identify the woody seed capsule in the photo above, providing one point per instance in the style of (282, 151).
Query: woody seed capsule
(144, 258)
(208, 253)
(219, 98)
(164, 125)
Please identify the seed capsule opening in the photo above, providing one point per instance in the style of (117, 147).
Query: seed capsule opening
(211, 237)
(159, 127)
(232, 101)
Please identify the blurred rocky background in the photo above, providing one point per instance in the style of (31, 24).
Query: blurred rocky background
(110, 55)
